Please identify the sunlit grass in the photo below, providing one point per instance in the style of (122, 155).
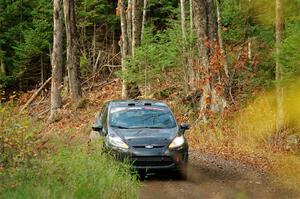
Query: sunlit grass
(251, 131)
(58, 164)
(77, 172)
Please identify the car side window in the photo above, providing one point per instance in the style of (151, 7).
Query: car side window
(104, 116)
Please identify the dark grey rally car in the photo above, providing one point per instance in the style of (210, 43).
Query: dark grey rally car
(144, 132)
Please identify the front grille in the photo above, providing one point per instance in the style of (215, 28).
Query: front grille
(143, 146)
(152, 161)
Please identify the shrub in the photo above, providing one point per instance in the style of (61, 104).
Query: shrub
(72, 172)
(18, 136)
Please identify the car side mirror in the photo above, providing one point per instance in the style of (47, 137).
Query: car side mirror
(184, 126)
(97, 128)
(97, 125)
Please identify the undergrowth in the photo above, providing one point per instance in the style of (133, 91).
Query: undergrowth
(249, 135)
(18, 137)
(62, 168)
(77, 173)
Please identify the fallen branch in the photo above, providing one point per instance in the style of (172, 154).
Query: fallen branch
(35, 95)
(105, 83)
(87, 80)
(102, 84)
(44, 112)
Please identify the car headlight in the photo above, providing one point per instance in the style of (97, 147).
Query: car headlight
(117, 142)
(177, 142)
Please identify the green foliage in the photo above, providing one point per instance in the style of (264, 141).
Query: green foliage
(18, 136)
(26, 34)
(56, 167)
(73, 172)
(159, 52)
(161, 11)
(234, 20)
(94, 11)
(290, 58)
(245, 21)
(84, 64)
(38, 37)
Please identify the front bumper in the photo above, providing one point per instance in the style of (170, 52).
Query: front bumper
(153, 159)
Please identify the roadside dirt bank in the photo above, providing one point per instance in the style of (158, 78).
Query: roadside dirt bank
(210, 176)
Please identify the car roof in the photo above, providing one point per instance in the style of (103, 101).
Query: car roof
(137, 102)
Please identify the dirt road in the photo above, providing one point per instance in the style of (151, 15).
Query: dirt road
(212, 177)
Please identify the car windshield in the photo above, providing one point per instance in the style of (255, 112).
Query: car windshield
(141, 117)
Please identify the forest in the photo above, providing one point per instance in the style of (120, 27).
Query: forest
(230, 68)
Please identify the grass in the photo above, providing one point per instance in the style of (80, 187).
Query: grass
(287, 172)
(249, 136)
(63, 167)
(71, 172)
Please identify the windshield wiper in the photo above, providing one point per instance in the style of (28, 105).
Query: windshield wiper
(153, 127)
(119, 127)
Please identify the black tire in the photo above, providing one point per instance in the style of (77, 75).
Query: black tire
(141, 175)
(183, 172)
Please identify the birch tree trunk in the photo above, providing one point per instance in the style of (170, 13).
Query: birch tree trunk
(124, 43)
(279, 89)
(57, 60)
(73, 59)
(129, 25)
(183, 18)
(144, 17)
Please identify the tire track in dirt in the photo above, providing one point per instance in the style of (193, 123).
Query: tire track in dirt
(212, 177)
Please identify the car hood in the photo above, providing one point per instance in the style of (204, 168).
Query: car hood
(143, 137)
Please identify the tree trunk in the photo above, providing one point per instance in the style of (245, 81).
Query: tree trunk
(73, 59)
(191, 76)
(187, 59)
(42, 72)
(144, 17)
(212, 26)
(205, 21)
(94, 44)
(220, 39)
(200, 20)
(57, 60)
(2, 68)
(191, 16)
(137, 19)
(249, 36)
(279, 89)
(123, 44)
(183, 19)
(129, 25)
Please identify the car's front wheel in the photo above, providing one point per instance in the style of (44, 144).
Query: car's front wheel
(94, 135)
(183, 172)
